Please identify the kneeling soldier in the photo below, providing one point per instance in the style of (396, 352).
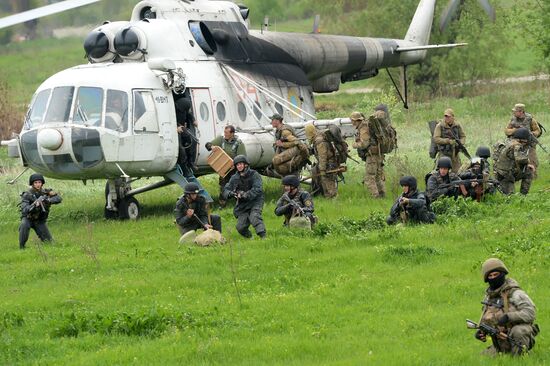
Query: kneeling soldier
(192, 212)
(508, 310)
(35, 209)
(246, 187)
(411, 206)
(295, 203)
(444, 183)
(514, 163)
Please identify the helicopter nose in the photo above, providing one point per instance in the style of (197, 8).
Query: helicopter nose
(50, 139)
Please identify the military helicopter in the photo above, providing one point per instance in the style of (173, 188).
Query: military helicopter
(115, 118)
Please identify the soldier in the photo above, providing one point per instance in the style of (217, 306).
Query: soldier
(368, 149)
(186, 125)
(513, 163)
(411, 206)
(507, 308)
(444, 183)
(246, 187)
(327, 160)
(484, 153)
(233, 146)
(522, 119)
(446, 134)
(192, 212)
(35, 208)
(295, 203)
(476, 180)
(290, 153)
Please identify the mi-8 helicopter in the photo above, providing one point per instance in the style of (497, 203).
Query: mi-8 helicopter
(115, 117)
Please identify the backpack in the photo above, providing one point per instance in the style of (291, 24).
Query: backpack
(498, 148)
(384, 133)
(334, 136)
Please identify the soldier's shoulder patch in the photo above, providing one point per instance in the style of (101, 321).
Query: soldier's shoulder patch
(308, 203)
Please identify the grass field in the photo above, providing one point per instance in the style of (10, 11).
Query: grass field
(352, 292)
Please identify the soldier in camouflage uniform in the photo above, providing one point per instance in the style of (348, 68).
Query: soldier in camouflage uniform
(374, 160)
(290, 152)
(513, 163)
(326, 161)
(233, 146)
(294, 202)
(444, 183)
(445, 135)
(477, 179)
(35, 209)
(507, 308)
(522, 119)
(246, 187)
(411, 206)
(192, 212)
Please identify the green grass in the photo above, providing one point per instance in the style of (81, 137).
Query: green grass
(352, 292)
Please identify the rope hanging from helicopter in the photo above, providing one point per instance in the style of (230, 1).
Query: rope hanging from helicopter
(285, 104)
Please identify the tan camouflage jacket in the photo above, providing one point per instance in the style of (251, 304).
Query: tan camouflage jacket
(443, 136)
(528, 122)
(513, 158)
(324, 152)
(287, 136)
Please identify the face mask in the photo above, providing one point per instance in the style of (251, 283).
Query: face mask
(497, 281)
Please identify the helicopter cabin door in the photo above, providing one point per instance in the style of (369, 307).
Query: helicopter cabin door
(204, 115)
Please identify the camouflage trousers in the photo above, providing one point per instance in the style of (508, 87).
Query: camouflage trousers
(533, 159)
(374, 175)
(522, 333)
(327, 184)
(507, 181)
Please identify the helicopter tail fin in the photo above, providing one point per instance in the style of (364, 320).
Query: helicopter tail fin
(421, 24)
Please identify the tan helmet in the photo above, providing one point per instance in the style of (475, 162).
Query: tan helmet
(491, 265)
(357, 116)
(449, 112)
(309, 130)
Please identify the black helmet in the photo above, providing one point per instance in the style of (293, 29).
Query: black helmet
(444, 162)
(192, 188)
(291, 180)
(240, 159)
(522, 134)
(34, 177)
(408, 181)
(483, 152)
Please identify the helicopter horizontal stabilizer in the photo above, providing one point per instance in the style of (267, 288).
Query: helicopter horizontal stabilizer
(430, 47)
(42, 12)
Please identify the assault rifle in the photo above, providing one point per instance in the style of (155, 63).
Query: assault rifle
(481, 181)
(294, 204)
(535, 141)
(461, 146)
(494, 333)
(40, 202)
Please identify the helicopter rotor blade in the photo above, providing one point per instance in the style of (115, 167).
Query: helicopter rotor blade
(488, 9)
(448, 14)
(43, 11)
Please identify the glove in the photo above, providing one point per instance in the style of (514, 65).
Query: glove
(503, 320)
(480, 335)
(208, 146)
(404, 201)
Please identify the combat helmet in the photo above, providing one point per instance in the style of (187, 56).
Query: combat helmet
(491, 265)
(444, 162)
(483, 152)
(522, 134)
(277, 116)
(475, 160)
(309, 130)
(240, 159)
(191, 188)
(34, 177)
(409, 181)
(291, 180)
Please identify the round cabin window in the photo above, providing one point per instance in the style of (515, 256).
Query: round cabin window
(242, 111)
(205, 113)
(220, 109)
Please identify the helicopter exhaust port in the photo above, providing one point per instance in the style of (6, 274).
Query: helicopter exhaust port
(131, 43)
(50, 139)
(99, 43)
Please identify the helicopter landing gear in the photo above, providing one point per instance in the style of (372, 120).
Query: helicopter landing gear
(117, 204)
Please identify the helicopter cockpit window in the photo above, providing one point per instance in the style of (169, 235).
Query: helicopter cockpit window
(116, 111)
(88, 107)
(35, 116)
(60, 104)
(145, 114)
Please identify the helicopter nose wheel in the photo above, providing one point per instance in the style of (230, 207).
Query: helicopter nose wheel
(128, 209)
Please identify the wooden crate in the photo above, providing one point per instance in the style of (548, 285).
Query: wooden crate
(220, 161)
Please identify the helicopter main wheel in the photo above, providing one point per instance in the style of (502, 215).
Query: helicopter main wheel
(128, 209)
